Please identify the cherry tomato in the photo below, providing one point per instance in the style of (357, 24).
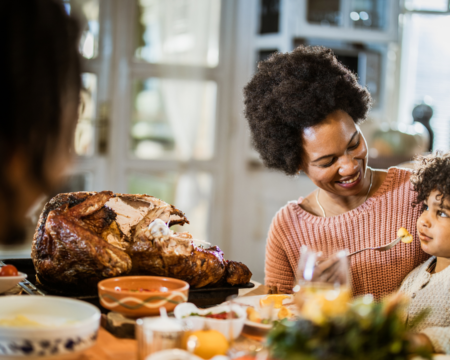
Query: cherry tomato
(8, 270)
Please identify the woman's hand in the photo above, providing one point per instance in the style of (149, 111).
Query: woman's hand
(420, 341)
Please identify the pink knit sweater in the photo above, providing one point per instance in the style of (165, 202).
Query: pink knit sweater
(373, 223)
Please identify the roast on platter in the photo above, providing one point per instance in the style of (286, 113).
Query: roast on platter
(84, 237)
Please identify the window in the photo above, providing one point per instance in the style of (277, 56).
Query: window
(425, 68)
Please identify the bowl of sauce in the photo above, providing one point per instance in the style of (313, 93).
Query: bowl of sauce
(140, 296)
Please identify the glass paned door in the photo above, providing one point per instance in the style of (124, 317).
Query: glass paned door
(183, 32)
(173, 119)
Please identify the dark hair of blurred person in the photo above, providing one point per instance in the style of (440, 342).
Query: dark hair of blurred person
(39, 96)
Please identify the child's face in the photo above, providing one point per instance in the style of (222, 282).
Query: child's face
(433, 226)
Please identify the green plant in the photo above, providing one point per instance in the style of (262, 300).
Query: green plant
(367, 331)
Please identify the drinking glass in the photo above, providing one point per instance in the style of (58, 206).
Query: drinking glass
(159, 333)
(322, 286)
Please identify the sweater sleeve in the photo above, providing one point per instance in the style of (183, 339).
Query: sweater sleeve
(439, 337)
(278, 271)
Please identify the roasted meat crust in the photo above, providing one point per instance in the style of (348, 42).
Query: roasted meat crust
(81, 238)
(237, 273)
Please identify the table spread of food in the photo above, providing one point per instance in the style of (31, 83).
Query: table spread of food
(108, 278)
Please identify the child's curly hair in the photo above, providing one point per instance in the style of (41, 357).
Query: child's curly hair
(432, 172)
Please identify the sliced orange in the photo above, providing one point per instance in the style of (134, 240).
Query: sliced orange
(277, 300)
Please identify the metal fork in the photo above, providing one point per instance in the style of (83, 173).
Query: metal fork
(380, 248)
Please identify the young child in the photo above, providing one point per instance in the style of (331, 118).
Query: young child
(428, 285)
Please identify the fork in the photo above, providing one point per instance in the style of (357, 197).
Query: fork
(380, 248)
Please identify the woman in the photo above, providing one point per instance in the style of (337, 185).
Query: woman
(39, 95)
(303, 109)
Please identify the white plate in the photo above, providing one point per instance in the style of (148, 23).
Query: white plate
(8, 282)
(254, 302)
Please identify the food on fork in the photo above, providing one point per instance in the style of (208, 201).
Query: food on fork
(84, 237)
(405, 235)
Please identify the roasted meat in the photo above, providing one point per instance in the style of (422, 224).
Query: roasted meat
(84, 237)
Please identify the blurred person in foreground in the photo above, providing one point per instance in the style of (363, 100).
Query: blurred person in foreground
(39, 97)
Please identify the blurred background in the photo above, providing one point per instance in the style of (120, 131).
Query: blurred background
(162, 105)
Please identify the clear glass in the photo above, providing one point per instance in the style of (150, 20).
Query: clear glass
(322, 286)
(155, 334)
(369, 14)
(189, 192)
(427, 5)
(87, 12)
(324, 12)
(84, 133)
(173, 119)
(182, 32)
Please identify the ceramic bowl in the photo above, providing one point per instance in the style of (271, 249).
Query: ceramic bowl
(183, 311)
(66, 327)
(8, 282)
(122, 294)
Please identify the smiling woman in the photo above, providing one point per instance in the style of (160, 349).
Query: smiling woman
(303, 109)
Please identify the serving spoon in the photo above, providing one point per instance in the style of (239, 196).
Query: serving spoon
(379, 248)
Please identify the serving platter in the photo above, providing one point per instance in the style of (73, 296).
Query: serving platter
(203, 297)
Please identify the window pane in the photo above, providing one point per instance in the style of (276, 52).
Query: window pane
(426, 73)
(184, 32)
(427, 5)
(324, 12)
(173, 119)
(84, 133)
(87, 13)
(269, 17)
(370, 14)
(190, 192)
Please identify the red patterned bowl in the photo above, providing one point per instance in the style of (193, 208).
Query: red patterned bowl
(139, 296)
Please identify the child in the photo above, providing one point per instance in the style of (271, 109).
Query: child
(428, 285)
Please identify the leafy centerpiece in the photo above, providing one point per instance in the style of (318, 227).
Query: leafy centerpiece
(367, 330)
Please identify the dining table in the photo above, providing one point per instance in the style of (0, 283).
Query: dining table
(110, 347)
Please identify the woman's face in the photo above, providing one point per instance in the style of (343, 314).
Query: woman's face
(335, 155)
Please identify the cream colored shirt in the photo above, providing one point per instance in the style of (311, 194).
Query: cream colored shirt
(429, 291)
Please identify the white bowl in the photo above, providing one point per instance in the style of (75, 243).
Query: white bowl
(182, 311)
(8, 282)
(70, 326)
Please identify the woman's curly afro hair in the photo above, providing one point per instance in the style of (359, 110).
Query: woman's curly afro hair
(293, 91)
(432, 172)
